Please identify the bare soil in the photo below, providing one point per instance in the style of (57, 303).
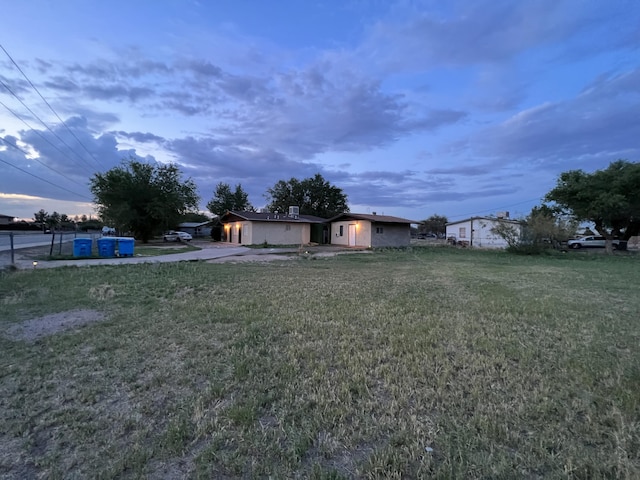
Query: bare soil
(37, 328)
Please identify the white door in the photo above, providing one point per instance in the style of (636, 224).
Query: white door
(352, 235)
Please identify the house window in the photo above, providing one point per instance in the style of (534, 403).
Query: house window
(379, 229)
(287, 228)
(341, 230)
(462, 233)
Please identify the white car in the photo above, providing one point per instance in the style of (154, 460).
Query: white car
(590, 241)
(172, 236)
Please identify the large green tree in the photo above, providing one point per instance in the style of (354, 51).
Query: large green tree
(436, 224)
(314, 195)
(609, 198)
(224, 200)
(143, 198)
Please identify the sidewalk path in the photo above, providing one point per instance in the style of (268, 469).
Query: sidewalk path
(208, 251)
(203, 254)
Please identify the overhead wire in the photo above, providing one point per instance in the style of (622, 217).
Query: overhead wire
(37, 132)
(43, 123)
(495, 208)
(45, 180)
(39, 161)
(49, 105)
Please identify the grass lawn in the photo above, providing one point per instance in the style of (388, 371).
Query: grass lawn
(431, 362)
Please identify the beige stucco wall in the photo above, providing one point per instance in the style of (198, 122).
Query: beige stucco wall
(392, 235)
(363, 233)
(274, 233)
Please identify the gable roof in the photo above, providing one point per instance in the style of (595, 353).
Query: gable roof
(7, 216)
(196, 224)
(371, 217)
(491, 219)
(235, 216)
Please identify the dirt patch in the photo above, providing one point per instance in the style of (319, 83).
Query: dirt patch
(251, 258)
(37, 328)
(270, 257)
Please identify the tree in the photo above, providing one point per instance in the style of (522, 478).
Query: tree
(143, 198)
(195, 217)
(314, 196)
(224, 200)
(609, 198)
(436, 224)
(53, 220)
(40, 217)
(544, 228)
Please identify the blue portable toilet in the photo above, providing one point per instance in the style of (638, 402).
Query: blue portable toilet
(82, 247)
(125, 246)
(107, 247)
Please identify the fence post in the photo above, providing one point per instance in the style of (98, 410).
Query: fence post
(13, 259)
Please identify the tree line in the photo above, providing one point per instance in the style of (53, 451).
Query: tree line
(145, 199)
(61, 221)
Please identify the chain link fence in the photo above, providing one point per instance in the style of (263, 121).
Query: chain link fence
(27, 245)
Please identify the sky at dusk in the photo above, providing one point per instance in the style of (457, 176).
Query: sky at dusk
(412, 108)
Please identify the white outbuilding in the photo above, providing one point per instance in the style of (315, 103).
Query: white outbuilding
(477, 231)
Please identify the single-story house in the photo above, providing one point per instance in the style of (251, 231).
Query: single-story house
(476, 231)
(370, 230)
(255, 228)
(198, 229)
(6, 219)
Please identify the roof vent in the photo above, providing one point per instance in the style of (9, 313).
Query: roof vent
(294, 211)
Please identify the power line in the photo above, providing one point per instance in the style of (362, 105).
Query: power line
(49, 105)
(44, 180)
(495, 208)
(42, 122)
(37, 132)
(41, 163)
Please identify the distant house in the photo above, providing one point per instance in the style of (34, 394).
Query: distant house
(370, 230)
(254, 228)
(6, 219)
(476, 231)
(198, 229)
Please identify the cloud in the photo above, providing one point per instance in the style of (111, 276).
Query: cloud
(140, 137)
(63, 162)
(15, 85)
(117, 92)
(464, 170)
(602, 121)
(476, 33)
